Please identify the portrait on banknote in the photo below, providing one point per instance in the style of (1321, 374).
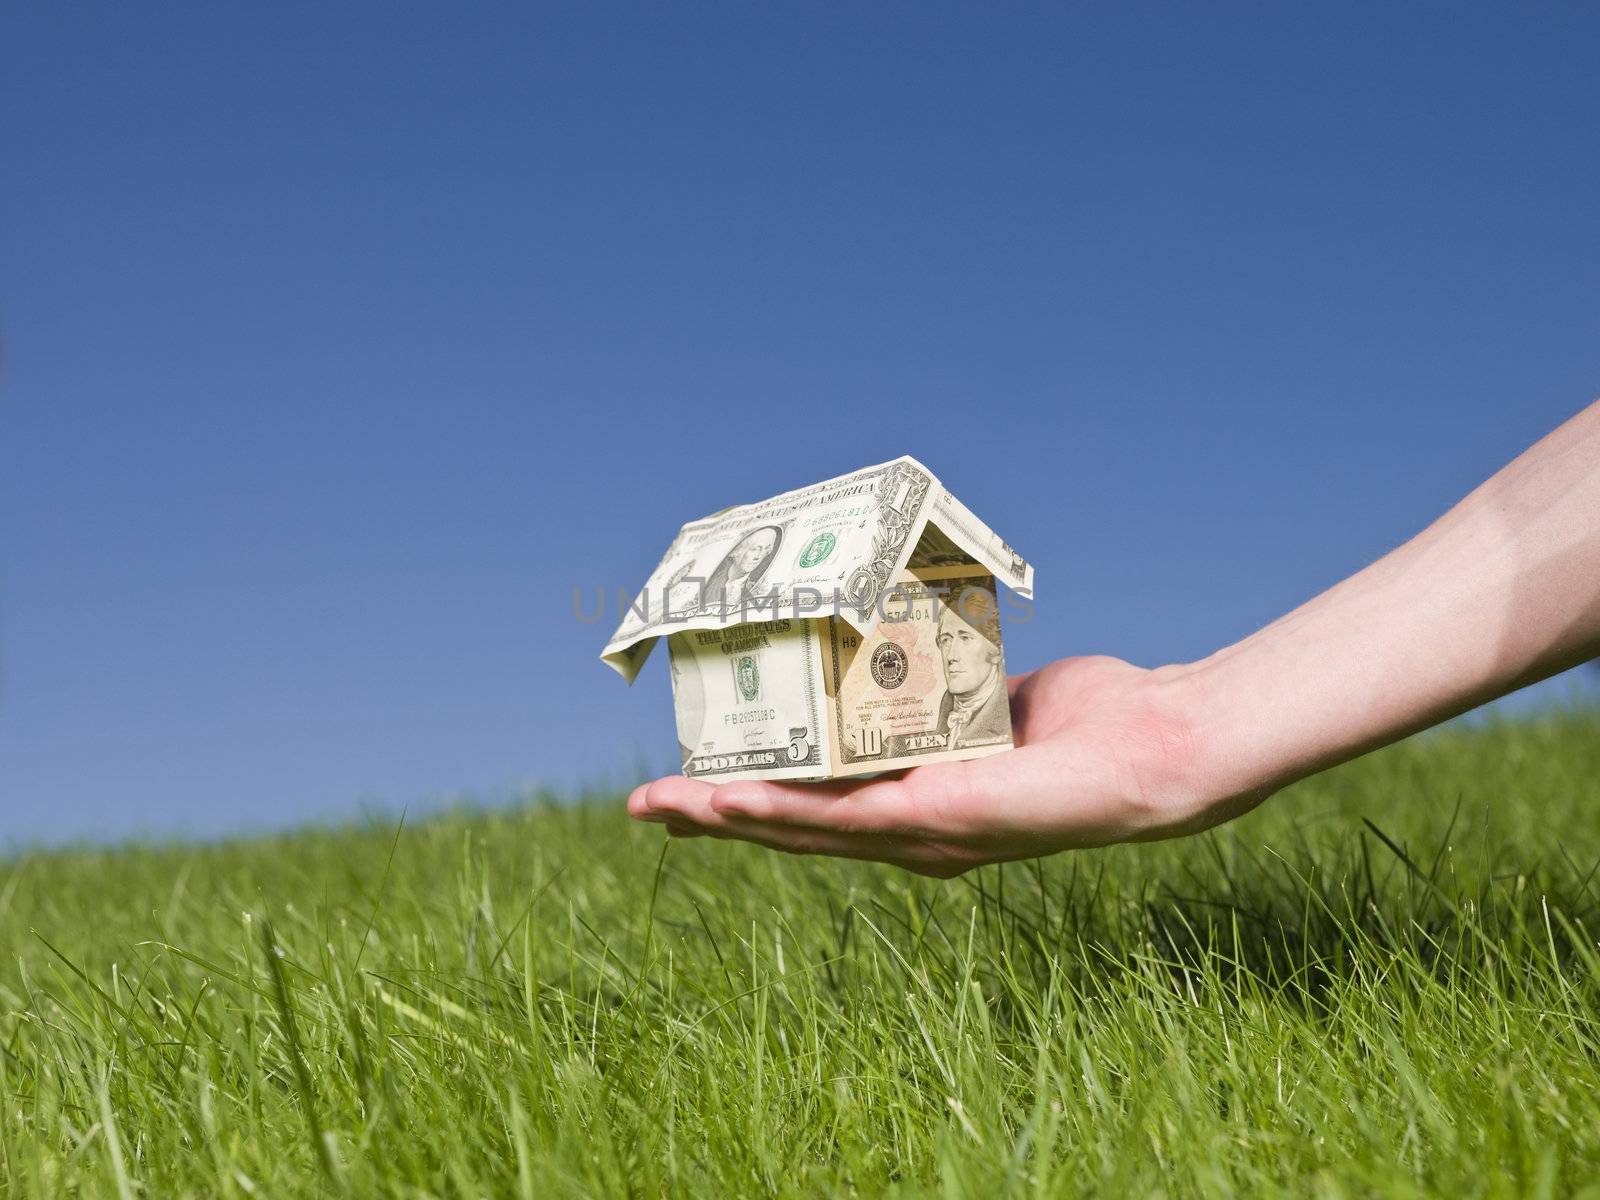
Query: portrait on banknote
(737, 578)
(974, 710)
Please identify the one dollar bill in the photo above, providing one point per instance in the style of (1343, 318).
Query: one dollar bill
(831, 547)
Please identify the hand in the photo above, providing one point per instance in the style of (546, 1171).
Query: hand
(1497, 594)
(1106, 752)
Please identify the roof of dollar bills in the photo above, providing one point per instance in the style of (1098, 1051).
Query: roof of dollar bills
(829, 548)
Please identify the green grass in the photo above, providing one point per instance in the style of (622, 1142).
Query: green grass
(540, 1003)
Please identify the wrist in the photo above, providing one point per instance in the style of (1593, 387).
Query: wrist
(1218, 767)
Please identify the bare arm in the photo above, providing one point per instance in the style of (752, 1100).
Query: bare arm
(1500, 592)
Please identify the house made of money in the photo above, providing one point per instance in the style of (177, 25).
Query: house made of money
(845, 628)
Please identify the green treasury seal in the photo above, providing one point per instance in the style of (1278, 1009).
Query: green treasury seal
(748, 676)
(817, 549)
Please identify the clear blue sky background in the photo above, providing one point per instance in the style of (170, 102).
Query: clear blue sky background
(342, 342)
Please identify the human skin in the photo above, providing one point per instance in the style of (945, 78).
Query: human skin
(1500, 592)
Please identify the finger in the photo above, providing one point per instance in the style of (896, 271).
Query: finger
(683, 805)
(997, 807)
(1037, 798)
(936, 802)
(682, 800)
(870, 807)
(638, 809)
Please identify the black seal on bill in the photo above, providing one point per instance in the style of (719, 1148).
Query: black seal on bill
(889, 666)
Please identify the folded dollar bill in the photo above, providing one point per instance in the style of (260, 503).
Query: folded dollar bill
(841, 629)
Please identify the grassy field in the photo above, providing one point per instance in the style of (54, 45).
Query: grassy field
(1386, 983)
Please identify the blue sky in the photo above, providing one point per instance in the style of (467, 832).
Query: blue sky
(341, 343)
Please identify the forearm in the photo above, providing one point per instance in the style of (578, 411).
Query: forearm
(1501, 591)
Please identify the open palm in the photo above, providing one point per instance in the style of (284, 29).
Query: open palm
(1103, 754)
